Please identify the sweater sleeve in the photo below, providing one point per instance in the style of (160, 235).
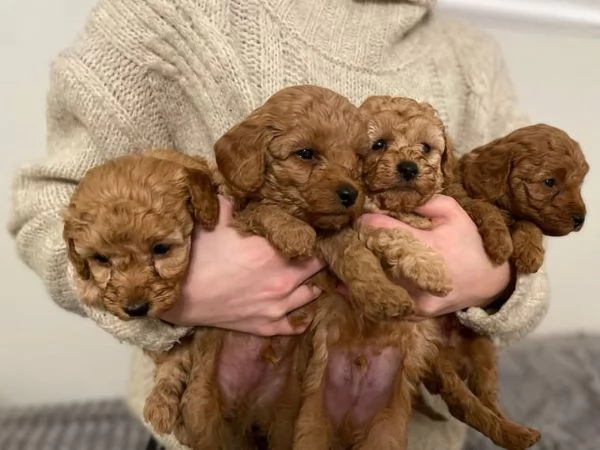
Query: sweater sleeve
(522, 311)
(92, 116)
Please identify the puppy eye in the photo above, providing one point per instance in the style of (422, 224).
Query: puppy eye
(101, 259)
(425, 148)
(306, 154)
(161, 249)
(550, 182)
(379, 145)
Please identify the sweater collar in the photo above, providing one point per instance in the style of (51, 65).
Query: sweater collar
(379, 23)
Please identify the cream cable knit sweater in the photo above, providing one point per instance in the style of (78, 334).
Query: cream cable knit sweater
(156, 73)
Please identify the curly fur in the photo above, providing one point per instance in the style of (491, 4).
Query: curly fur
(363, 373)
(395, 356)
(293, 169)
(128, 230)
(522, 186)
(502, 185)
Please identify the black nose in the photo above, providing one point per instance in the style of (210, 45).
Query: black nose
(137, 309)
(347, 195)
(407, 170)
(578, 221)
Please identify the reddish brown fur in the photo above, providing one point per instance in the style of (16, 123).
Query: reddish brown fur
(293, 201)
(339, 330)
(509, 173)
(117, 215)
(424, 354)
(503, 190)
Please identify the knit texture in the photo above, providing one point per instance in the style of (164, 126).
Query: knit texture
(179, 73)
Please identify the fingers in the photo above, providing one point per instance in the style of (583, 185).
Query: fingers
(382, 221)
(301, 296)
(281, 324)
(283, 327)
(303, 270)
(225, 210)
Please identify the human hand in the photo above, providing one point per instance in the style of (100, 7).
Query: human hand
(476, 280)
(241, 283)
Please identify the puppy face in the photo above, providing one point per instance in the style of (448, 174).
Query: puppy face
(411, 156)
(128, 233)
(301, 150)
(535, 173)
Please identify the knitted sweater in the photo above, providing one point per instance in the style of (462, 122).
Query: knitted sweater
(178, 73)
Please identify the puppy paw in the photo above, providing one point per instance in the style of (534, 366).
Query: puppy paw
(295, 243)
(498, 243)
(429, 273)
(391, 302)
(520, 438)
(532, 437)
(529, 261)
(160, 413)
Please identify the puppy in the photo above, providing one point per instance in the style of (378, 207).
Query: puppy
(533, 178)
(363, 373)
(128, 230)
(516, 189)
(293, 170)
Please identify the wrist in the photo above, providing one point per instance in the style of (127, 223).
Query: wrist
(494, 304)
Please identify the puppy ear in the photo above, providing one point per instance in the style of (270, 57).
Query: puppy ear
(240, 153)
(448, 163)
(79, 264)
(485, 171)
(204, 202)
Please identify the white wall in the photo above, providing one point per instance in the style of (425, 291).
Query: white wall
(49, 355)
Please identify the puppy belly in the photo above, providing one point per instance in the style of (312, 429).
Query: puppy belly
(359, 383)
(244, 375)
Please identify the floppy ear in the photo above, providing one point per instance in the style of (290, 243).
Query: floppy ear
(79, 264)
(485, 171)
(204, 202)
(448, 163)
(240, 153)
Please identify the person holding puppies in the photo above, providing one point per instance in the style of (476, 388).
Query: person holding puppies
(175, 73)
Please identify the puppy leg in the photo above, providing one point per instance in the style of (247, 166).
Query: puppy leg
(203, 426)
(313, 429)
(483, 374)
(161, 409)
(466, 407)
(293, 237)
(388, 430)
(374, 294)
(493, 229)
(490, 221)
(404, 256)
(285, 413)
(528, 241)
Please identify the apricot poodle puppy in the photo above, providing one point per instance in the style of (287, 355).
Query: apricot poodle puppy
(533, 178)
(128, 230)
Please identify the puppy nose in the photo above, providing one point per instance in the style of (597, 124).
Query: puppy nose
(347, 195)
(408, 170)
(137, 309)
(578, 221)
